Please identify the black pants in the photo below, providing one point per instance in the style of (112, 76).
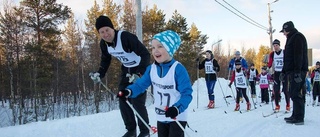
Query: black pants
(170, 129)
(316, 90)
(241, 92)
(277, 90)
(138, 103)
(264, 95)
(253, 87)
(298, 95)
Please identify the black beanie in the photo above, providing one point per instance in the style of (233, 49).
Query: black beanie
(103, 21)
(276, 41)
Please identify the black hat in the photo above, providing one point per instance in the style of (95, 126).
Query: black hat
(252, 64)
(288, 26)
(103, 21)
(276, 41)
(237, 62)
(317, 63)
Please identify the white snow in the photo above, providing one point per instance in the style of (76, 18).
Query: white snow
(207, 122)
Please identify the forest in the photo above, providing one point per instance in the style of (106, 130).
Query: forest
(46, 56)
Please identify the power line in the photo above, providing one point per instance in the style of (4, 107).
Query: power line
(261, 27)
(244, 15)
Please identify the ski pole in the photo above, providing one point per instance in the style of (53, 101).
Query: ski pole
(152, 129)
(271, 96)
(198, 83)
(233, 94)
(178, 123)
(223, 93)
(191, 128)
(254, 104)
(108, 90)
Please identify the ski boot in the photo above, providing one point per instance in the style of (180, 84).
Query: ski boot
(277, 109)
(248, 106)
(130, 133)
(211, 104)
(287, 108)
(237, 107)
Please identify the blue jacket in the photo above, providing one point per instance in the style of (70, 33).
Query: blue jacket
(182, 79)
(243, 63)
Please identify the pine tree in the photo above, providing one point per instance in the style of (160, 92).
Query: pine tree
(43, 17)
(153, 21)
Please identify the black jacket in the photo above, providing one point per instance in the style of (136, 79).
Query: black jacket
(210, 77)
(130, 43)
(295, 53)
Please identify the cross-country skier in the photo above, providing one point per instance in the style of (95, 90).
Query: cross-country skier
(264, 78)
(240, 80)
(211, 67)
(171, 85)
(276, 59)
(232, 65)
(134, 57)
(252, 73)
(315, 80)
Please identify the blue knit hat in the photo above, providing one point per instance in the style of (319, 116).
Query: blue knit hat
(170, 40)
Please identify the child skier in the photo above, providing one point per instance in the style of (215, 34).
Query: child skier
(211, 68)
(315, 80)
(171, 85)
(252, 73)
(238, 76)
(264, 78)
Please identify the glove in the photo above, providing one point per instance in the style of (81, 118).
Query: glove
(281, 77)
(172, 112)
(124, 94)
(95, 76)
(197, 59)
(133, 78)
(297, 77)
(230, 85)
(318, 69)
(254, 78)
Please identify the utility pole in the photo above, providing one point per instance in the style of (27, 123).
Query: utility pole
(271, 30)
(139, 20)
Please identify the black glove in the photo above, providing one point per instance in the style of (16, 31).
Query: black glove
(172, 112)
(124, 94)
(197, 59)
(297, 77)
(230, 85)
(254, 78)
(281, 77)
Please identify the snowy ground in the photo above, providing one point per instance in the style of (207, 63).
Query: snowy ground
(207, 123)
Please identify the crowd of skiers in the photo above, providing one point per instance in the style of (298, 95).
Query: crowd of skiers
(171, 84)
